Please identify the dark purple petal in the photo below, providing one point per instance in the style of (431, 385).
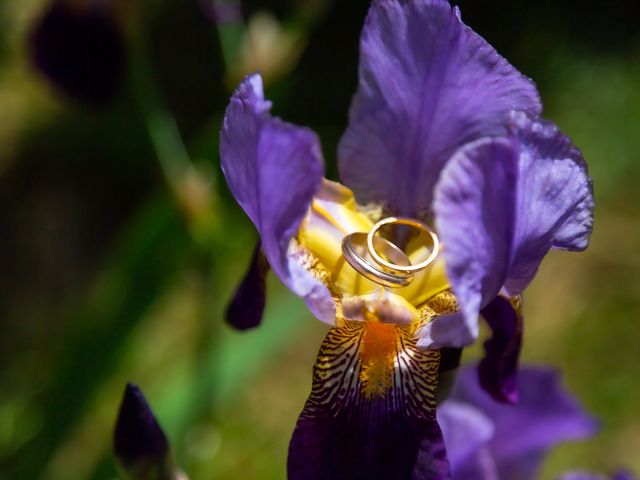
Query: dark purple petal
(475, 208)
(80, 50)
(428, 85)
(467, 432)
(247, 306)
(351, 429)
(138, 439)
(623, 475)
(498, 370)
(545, 416)
(555, 198)
(273, 170)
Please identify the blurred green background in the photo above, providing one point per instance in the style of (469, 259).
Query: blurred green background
(120, 244)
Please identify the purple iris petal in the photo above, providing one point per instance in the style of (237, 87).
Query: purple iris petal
(501, 205)
(498, 370)
(273, 170)
(581, 476)
(344, 433)
(621, 475)
(467, 432)
(428, 85)
(475, 208)
(584, 476)
(247, 306)
(366, 442)
(544, 416)
(555, 198)
(138, 438)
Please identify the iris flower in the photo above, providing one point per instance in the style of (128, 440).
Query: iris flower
(487, 440)
(443, 130)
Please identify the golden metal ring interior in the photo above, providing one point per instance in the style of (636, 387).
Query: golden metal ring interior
(371, 236)
(354, 249)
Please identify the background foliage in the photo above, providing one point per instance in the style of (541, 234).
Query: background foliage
(120, 243)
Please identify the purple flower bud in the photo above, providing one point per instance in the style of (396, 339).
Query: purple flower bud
(139, 443)
(80, 50)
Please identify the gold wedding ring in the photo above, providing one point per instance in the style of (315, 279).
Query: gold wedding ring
(371, 244)
(382, 261)
(354, 249)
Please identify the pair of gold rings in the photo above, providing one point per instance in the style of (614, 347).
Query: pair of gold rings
(382, 261)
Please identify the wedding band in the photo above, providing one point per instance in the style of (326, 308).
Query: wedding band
(396, 267)
(354, 249)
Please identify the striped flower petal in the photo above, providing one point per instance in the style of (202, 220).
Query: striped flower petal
(371, 412)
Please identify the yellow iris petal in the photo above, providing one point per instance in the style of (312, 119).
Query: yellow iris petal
(332, 216)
